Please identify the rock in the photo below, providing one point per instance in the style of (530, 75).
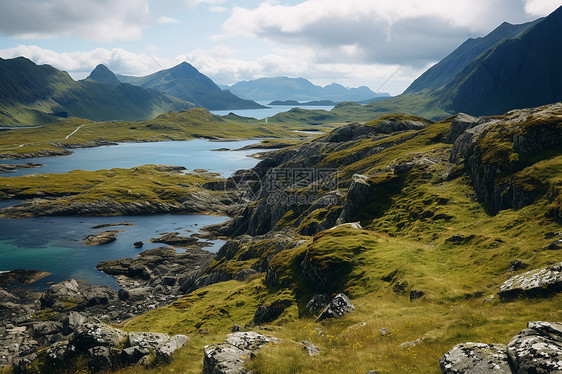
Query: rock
(235, 328)
(475, 358)
(351, 225)
(132, 355)
(408, 345)
(555, 245)
(339, 306)
(229, 357)
(164, 351)
(46, 328)
(101, 238)
(173, 238)
(72, 322)
(269, 313)
(460, 124)
(100, 358)
(244, 274)
(416, 294)
(317, 303)
(138, 244)
(94, 333)
(310, 348)
(360, 194)
(535, 283)
(517, 265)
(75, 294)
(384, 332)
(123, 294)
(537, 349)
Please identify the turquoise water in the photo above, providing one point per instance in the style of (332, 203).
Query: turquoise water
(193, 154)
(53, 244)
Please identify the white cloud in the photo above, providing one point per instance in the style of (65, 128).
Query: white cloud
(194, 3)
(382, 31)
(541, 7)
(80, 64)
(94, 20)
(162, 20)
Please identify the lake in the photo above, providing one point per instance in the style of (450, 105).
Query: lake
(53, 244)
(268, 112)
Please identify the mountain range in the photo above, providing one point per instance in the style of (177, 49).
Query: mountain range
(187, 83)
(33, 94)
(284, 88)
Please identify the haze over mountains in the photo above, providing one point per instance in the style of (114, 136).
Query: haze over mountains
(187, 83)
(284, 88)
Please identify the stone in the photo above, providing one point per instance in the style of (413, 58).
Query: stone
(537, 349)
(235, 327)
(77, 294)
(517, 265)
(338, 307)
(408, 345)
(132, 355)
(100, 358)
(475, 358)
(229, 357)
(269, 313)
(101, 238)
(534, 283)
(555, 245)
(95, 333)
(72, 322)
(416, 294)
(384, 332)
(138, 244)
(310, 348)
(46, 328)
(317, 303)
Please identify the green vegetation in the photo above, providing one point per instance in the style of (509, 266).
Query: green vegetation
(403, 246)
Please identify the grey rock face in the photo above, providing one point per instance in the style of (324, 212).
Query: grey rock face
(473, 358)
(338, 307)
(101, 238)
(310, 348)
(533, 283)
(537, 349)
(460, 124)
(269, 313)
(317, 303)
(76, 292)
(229, 357)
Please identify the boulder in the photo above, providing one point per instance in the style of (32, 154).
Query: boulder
(555, 245)
(101, 238)
(537, 349)
(138, 244)
(75, 294)
(46, 328)
(535, 283)
(229, 357)
(339, 306)
(72, 322)
(310, 348)
(475, 358)
(269, 313)
(94, 333)
(317, 303)
(416, 294)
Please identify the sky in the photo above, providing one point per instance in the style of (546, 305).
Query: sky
(382, 44)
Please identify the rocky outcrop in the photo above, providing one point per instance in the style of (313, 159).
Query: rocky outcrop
(338, 307)
(534, 283)
(10, 168)
(100, 238)
(269, 313)
(229, 357)
(479, 358)
(76, 294)
(174, 239)
(537, 349)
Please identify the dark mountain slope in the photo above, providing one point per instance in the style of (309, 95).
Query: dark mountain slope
(103, 75)
(447, 69)
(33, 94)
(516, 73)
(187, 83)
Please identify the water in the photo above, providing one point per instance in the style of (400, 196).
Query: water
(268, 112)
(53, 244)
(193, 154)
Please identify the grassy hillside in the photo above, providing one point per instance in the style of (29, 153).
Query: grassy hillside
(424, 230)
(33, 94)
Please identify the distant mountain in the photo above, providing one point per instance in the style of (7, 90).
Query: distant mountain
(447, 69)
(33, 94)
(283, 88)
(103, 75)
(307, 103)
(186, 83)
(520, 72)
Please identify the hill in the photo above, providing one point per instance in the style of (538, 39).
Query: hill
(186, 83)
(284, 88)
(35, 94)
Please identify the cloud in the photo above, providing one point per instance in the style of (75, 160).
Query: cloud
(104, 20)
(541, 7)
(162, 20)
(80, 64)
(382, 31)
(218, 9)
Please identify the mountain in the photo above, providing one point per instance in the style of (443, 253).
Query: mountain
(33, 94)
(447, 69)
(186, 83)
(103, 75)
(524, 71)
(284, 88)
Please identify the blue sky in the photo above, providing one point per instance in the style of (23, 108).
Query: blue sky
(353, 42)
